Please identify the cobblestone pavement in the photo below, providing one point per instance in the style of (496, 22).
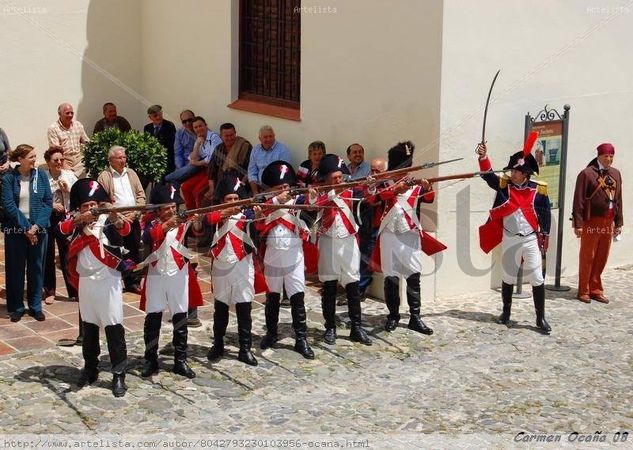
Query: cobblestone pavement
(471, 376)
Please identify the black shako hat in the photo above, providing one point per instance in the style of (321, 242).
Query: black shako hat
(165, 193)
(230, 185)
(400, 156)
(332, 163)
(277, 173)
(87, 190)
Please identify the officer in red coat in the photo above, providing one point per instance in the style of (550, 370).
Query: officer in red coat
(520, 221)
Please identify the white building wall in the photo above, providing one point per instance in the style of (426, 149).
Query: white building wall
(54, 51)
(554, 53)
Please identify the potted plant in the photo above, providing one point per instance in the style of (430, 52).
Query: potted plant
(145, 155)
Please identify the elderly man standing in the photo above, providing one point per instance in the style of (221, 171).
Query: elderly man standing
(164, 131)
(124, 187)
(264, 153)
(111, 119)
(70, 135)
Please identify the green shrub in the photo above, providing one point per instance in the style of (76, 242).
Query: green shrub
(144, 153)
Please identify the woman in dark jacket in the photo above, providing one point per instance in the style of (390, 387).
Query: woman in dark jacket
(27, 201)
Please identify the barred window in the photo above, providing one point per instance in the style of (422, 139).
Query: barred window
(270, 51)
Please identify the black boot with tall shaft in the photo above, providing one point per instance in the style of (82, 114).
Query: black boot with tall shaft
(151, 335)
(328, 307)
(90, 349)
(179, 340)
(506, 296)
(358, 334)
(538, 292)
(220, 322)
(415, 303)
(244, 324)
(300, 326)
(118, 358)
(392, 299)
(271, 311)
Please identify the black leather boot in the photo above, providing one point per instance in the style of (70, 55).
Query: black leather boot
(220, 322)
(90, 349)
(271, 310)
(151, 335)
(300, 326)
(244, 324)
(358, 334)
(538, 292)
(179, 340)
(328, 307)
(414, 300)
(392, 299)
(506, 296)
(80, 336)
(118, 357)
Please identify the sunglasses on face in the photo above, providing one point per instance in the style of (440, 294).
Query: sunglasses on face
(58, 160)
(187, 121)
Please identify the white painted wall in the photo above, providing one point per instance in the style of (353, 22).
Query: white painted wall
(54, 51)
(365, 75)
(554, 53)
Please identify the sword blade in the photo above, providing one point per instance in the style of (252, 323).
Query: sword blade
(483, 129)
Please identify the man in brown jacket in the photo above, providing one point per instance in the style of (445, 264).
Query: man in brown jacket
(124, 188)
(597, 219)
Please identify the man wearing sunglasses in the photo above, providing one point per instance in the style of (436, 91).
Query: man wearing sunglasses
(185, 139)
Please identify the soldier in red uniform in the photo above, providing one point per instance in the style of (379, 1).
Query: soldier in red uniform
(170, 282)
(339, 255)
(520, 221)
(401, 240)
(94, 268)
(597, 217)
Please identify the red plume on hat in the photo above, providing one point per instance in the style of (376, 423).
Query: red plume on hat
(523, 160)
(529, 143)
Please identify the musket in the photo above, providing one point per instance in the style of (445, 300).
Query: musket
(483, 129)
(379, 176)
(207, 209)
(289, 206)
(459, 176)
(122, 209)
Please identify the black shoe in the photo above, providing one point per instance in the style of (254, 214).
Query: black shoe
(504, 319)
(416, 324)
(215, 352)
(268, 341)
(359, 335)
(330, 336)
(37, 315)
(246, 356)
(391, 324)
(543, 326)
(303, 348)
(87, 377)
(118, 385)
(16, 316)
(182, 368)
(150, 367)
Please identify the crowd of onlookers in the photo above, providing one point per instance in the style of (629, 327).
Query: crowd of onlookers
(35, 198)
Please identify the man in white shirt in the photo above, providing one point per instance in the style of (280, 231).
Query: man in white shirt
(70, 135)
(125, 189)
